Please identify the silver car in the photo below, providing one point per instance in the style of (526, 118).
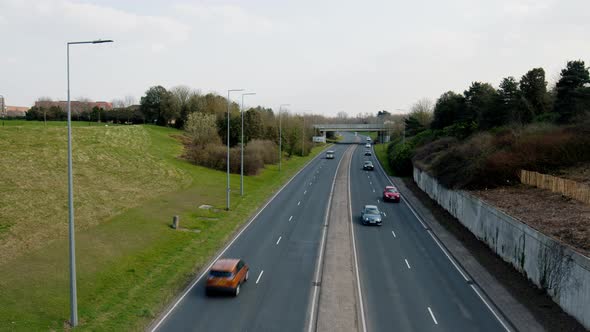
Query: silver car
(370, 215)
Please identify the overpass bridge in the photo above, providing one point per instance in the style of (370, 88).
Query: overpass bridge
(380, 128)
(352, 127)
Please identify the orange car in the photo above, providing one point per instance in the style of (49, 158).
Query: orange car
(226, 275)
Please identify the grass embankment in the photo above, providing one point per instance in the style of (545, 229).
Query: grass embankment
(372, 134)
(129, 183)
(381, 153)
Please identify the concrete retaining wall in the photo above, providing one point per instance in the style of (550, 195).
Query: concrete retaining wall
(562, 272)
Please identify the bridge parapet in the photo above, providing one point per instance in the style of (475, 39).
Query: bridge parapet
(352, 127)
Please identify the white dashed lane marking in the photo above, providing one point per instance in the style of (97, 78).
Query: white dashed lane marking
(432, 315)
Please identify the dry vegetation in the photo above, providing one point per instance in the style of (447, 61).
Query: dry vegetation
(488, 160)
(256, 154)
(551, 213)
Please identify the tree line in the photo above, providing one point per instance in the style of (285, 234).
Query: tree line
(482, 137)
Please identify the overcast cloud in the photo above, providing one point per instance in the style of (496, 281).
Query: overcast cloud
(324, 56)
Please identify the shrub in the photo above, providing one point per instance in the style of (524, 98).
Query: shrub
(214, 155)
(486, 160)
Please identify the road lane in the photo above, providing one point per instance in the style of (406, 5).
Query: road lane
(408, 283)
(278, 294)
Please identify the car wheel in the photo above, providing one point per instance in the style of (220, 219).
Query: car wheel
(237, 290)
(247, 275)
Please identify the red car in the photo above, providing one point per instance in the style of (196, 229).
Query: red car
(390, 193)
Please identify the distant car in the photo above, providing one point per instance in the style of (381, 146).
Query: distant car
(368, 139)
(368, 145)
(368, 165)
(390, 193)
(227, 275)
(370, 215)
(368, 153)
(329, 154)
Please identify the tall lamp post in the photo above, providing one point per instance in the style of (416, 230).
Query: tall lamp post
(2, 109)
(73, 292)
(303, 134)
(228, 104)
(281, 135)
(242, 144)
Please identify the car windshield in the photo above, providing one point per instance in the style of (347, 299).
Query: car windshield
(372, 211)
(368, 163)
(220, 274)
(391, 190)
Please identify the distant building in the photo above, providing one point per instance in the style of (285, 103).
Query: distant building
(15, 111)
(77, 106)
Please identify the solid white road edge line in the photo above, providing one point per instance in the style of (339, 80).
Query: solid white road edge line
(432, 315)
(489, 307)
(259, 276)
(445, 252)
(279, 240)
(321, 254)
(232, 241)
(356, 264)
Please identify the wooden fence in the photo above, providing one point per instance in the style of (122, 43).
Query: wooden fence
(573, 189)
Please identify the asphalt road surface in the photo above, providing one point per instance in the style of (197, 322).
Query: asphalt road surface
(281, 247)
(407, 281)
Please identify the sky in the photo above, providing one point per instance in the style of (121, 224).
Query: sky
(320, 57)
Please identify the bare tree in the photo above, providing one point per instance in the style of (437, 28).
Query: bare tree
(118, 103)
(422, 110)
(129, 100)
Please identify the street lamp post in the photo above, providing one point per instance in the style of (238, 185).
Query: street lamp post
(281, 135)
(228, 104)
(73, 292)
(242, 144)
(2, 110)
(303, 135)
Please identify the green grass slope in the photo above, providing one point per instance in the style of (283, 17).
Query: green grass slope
(129, 182)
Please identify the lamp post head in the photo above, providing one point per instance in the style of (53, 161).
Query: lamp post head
(100, 41)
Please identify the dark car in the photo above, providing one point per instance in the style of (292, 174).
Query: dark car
(368, 166)
(370, 215)
(227, 275)
(390, 193)
(368, 153)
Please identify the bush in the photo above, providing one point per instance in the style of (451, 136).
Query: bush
(487, 161)
(400, 156)
(214, 155)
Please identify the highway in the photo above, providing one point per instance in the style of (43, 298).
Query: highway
(281, 246)
(407, 281)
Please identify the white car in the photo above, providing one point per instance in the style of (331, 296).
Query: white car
(368, 145)
(368, 139)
